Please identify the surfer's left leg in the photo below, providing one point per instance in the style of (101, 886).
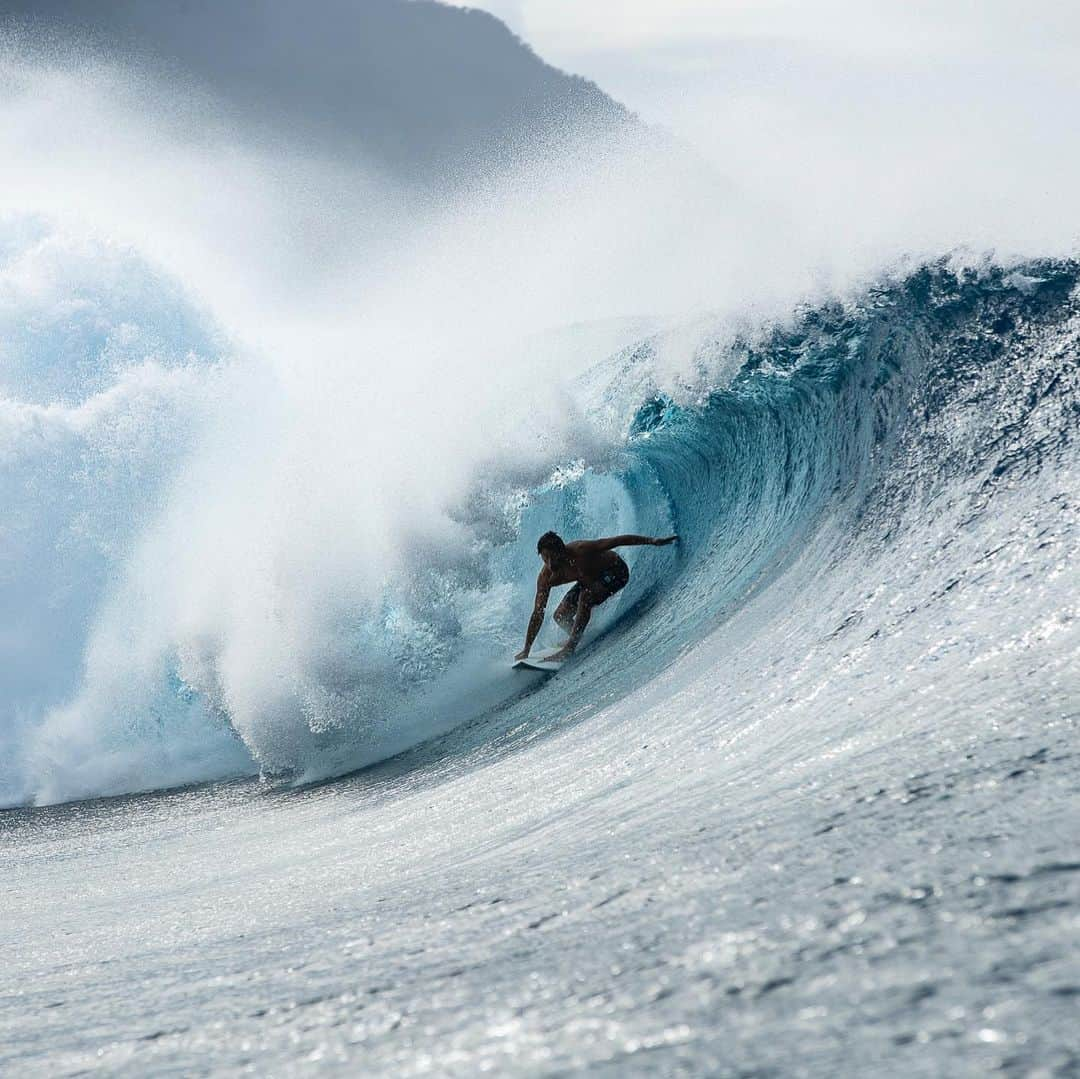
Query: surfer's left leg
(565, 612)
(581, 620)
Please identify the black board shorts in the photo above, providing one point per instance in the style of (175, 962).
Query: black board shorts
(612, 580)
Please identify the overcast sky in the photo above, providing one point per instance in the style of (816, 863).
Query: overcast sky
(853, 112)
(663, 58)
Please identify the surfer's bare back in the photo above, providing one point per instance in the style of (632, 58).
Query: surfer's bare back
(598, 572)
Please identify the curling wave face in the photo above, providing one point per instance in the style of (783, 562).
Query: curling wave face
(874, 460)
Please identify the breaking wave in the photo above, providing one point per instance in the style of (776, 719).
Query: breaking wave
(867, 457)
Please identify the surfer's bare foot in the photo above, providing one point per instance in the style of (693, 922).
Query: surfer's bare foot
(523, 654)
(558, 657)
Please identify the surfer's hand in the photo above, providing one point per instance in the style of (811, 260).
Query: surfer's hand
(664, 541)
(523, 654)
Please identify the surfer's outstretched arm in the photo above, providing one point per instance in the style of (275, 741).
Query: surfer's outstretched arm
(632, 541)
(543, 588)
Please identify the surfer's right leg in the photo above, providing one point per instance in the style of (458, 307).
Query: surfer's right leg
(565, 612)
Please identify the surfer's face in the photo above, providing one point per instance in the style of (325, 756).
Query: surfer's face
(551, 557)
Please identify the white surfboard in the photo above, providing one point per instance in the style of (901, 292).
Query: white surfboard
(538, 663)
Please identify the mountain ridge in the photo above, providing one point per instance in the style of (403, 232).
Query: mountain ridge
(430, 92)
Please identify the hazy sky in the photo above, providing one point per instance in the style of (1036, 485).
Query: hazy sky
(952, 115)
(661, 58)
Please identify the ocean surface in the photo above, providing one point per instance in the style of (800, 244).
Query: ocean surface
(805, 802)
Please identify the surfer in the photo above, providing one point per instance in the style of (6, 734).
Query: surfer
(598, 572)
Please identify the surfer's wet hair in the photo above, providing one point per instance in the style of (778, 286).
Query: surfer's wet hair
(550, 541)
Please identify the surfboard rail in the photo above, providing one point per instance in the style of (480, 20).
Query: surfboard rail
(538, 663)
